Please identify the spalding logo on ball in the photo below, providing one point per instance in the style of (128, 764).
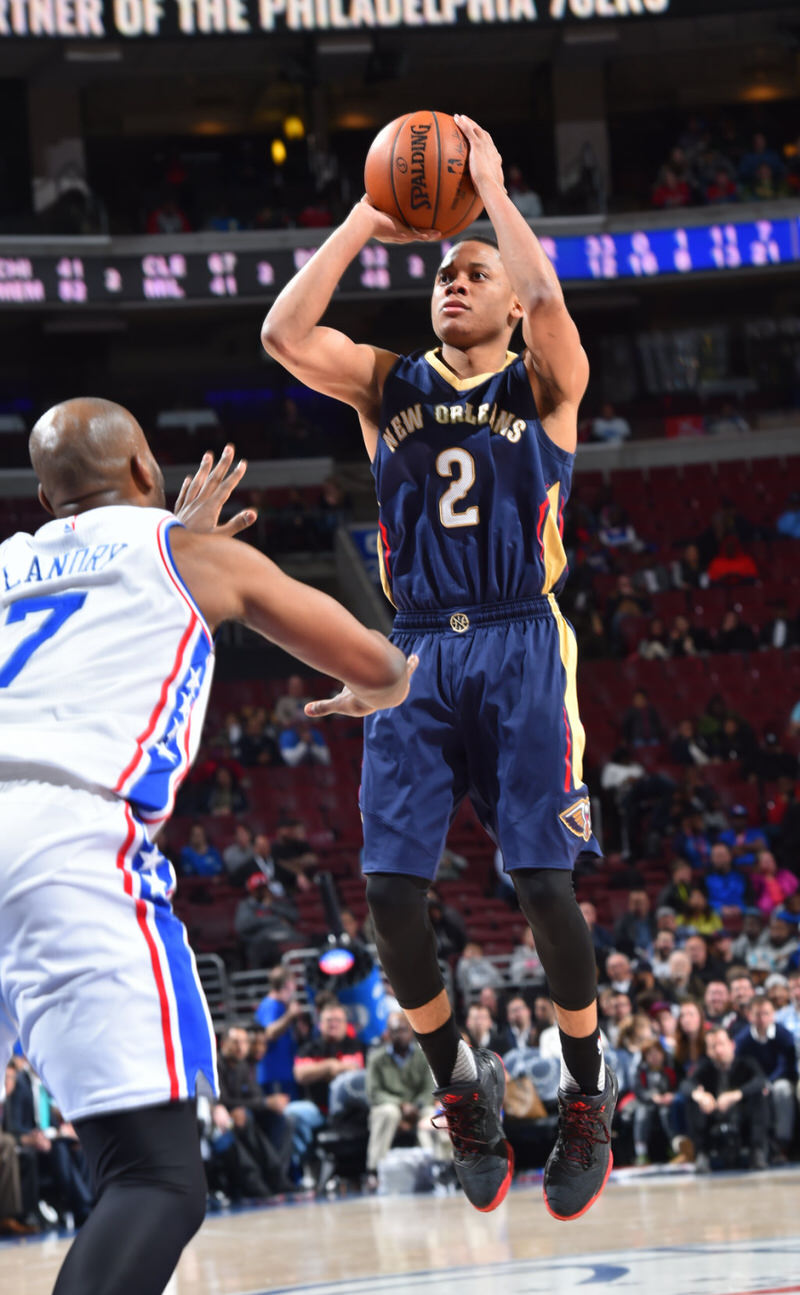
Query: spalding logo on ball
(417, 171)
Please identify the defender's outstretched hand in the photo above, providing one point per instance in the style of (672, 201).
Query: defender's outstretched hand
(485, 163)
(347, 703)
(202, 497)
(388, 230)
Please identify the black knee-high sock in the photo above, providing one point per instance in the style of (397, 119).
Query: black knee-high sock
(583, 1059)
(441, 1049)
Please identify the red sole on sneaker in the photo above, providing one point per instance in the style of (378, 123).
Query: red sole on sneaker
(502, 1190)
(567, 1218)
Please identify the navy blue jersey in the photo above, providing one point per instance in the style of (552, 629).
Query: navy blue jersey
(470, 488)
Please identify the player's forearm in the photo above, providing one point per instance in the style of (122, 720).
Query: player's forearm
(527, 264)
(302, 303)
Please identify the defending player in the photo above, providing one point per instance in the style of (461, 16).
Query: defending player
(106, 656)
(472, 450)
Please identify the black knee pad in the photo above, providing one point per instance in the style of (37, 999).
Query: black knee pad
(404, 936)
(395, 900)
(563, 942)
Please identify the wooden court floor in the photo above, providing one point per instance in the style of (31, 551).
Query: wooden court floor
(668, 1235)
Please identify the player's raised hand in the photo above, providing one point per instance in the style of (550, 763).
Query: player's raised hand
(347, 703)
(389, 230)
(485, 163)
(203, 496)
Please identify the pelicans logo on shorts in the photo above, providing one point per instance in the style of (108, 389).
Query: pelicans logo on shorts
(578, 818)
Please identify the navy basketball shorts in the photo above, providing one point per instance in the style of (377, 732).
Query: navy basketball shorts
(492, 714)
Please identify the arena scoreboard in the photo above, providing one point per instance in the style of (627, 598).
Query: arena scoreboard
(99, 278)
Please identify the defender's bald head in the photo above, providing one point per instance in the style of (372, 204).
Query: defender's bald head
(90, 452)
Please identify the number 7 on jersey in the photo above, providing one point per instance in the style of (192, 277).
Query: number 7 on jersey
(60, 607)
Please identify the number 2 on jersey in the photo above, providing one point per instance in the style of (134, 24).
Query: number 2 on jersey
(60, 607)
(446, 465)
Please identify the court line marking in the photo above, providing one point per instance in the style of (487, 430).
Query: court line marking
(390, 1281)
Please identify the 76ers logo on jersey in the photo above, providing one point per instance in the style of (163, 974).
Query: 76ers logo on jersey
(578, 819)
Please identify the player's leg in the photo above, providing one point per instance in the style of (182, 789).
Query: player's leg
(578, 1167)
(526, 781)
(470, 1082)
(148, 1173)
(413, 774)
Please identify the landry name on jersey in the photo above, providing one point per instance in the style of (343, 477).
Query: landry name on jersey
(471, 489)
(105, 660)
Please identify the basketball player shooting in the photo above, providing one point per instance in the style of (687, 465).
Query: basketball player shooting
(106, 656)
(472, 450)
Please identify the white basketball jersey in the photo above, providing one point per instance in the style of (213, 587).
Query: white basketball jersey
(105, 659)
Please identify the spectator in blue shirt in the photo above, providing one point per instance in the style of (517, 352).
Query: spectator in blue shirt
(726, 888)
(772, 1046)
(277, 1013)
(301, 744)
(199, 858)
(692, 842)
(745, 843)
(788, 523)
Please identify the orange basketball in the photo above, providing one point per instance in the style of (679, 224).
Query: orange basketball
(416, 170)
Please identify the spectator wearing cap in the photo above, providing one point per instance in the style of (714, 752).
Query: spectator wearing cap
(772, 885)
(744, 842)
(726, 888)
(778, 944)
(260, 926)
(727, 1089)
(676, 892)
(635, 929)
(771, 1045)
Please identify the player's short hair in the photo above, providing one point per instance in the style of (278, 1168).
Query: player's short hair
(473, 238)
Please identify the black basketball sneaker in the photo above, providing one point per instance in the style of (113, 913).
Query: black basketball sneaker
(577, 1168)
(482, 1159)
